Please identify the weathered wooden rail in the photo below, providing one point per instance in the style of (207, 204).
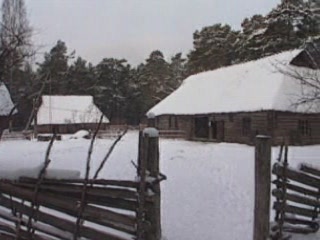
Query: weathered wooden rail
(297, 195)
(108, 209)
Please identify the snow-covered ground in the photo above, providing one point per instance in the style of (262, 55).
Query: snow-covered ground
(209, 191)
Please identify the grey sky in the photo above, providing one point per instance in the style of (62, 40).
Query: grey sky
(131, 29)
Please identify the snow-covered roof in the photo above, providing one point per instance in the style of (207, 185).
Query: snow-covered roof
(251, 86)
(68, 110)
(6, 104)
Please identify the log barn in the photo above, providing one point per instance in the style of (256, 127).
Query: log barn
(6, 106)
(236, 103)
(68, 114)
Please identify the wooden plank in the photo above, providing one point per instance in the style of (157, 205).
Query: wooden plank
(296, 176)
(93, 197)
(298, 189)
(94, 191)
(298, 221)
(294, 209)
(295, 229)
(23, 235)
(118, 183)
(310, 170)
(97, 215)
(36, 226)
(60, 223)
(295, 198)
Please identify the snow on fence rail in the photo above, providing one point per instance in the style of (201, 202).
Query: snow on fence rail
(41, 208)
(297, 196)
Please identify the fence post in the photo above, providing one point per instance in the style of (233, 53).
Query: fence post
(262, 188)
(153, 209)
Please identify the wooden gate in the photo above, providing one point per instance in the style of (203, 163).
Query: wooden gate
(97, 209)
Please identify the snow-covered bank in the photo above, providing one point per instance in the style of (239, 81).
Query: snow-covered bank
(209, 191)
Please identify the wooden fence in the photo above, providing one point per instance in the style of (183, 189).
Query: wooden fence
(296, 194)
(97, 209)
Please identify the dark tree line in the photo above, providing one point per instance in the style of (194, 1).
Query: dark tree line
(124, 93)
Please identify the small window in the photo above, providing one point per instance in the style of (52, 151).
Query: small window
(246, 126)
(304, 128)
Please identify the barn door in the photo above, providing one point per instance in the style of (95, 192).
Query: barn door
(220, 130)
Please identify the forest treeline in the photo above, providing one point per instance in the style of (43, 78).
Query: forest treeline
(124, 92)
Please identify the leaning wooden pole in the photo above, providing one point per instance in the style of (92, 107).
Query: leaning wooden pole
(262, 188)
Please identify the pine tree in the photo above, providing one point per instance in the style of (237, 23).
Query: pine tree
(154, 79)
(81, 78)
(111, 89)
(55, 65)
(213, 48)
(290, 24)
(178, 71)
(250, 43)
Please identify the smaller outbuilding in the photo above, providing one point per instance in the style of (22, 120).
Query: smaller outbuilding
(236, 103)
(6, 107)
(68, 114)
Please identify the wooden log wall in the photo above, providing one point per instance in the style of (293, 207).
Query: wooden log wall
(297, 195)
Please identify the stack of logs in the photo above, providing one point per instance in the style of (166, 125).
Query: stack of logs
(112, 209)
(297, 202)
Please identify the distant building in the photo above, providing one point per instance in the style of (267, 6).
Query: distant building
(6, 106)
(68, 114)
(236, 103)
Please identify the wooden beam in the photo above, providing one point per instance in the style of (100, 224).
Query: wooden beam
(118, 183)
(296, 198)
(298, 189)
(295, 210)
(310, 170)
(296, 176)
(109, 198)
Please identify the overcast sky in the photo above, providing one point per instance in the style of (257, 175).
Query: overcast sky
(131, 29)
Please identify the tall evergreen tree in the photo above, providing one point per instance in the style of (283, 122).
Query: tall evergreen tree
(55, 65)
(81, 77)
(213, 48)
(289, 25)
(178, 71)
(111, 89)
(250, 42)
(154, 79)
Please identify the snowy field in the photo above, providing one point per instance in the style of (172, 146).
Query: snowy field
(209, 191)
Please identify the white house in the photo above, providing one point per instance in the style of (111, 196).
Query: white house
(67, 114)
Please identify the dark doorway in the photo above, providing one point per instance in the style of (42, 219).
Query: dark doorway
(217, 130)
(214, 129)
(201, 127)
(220, 127)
